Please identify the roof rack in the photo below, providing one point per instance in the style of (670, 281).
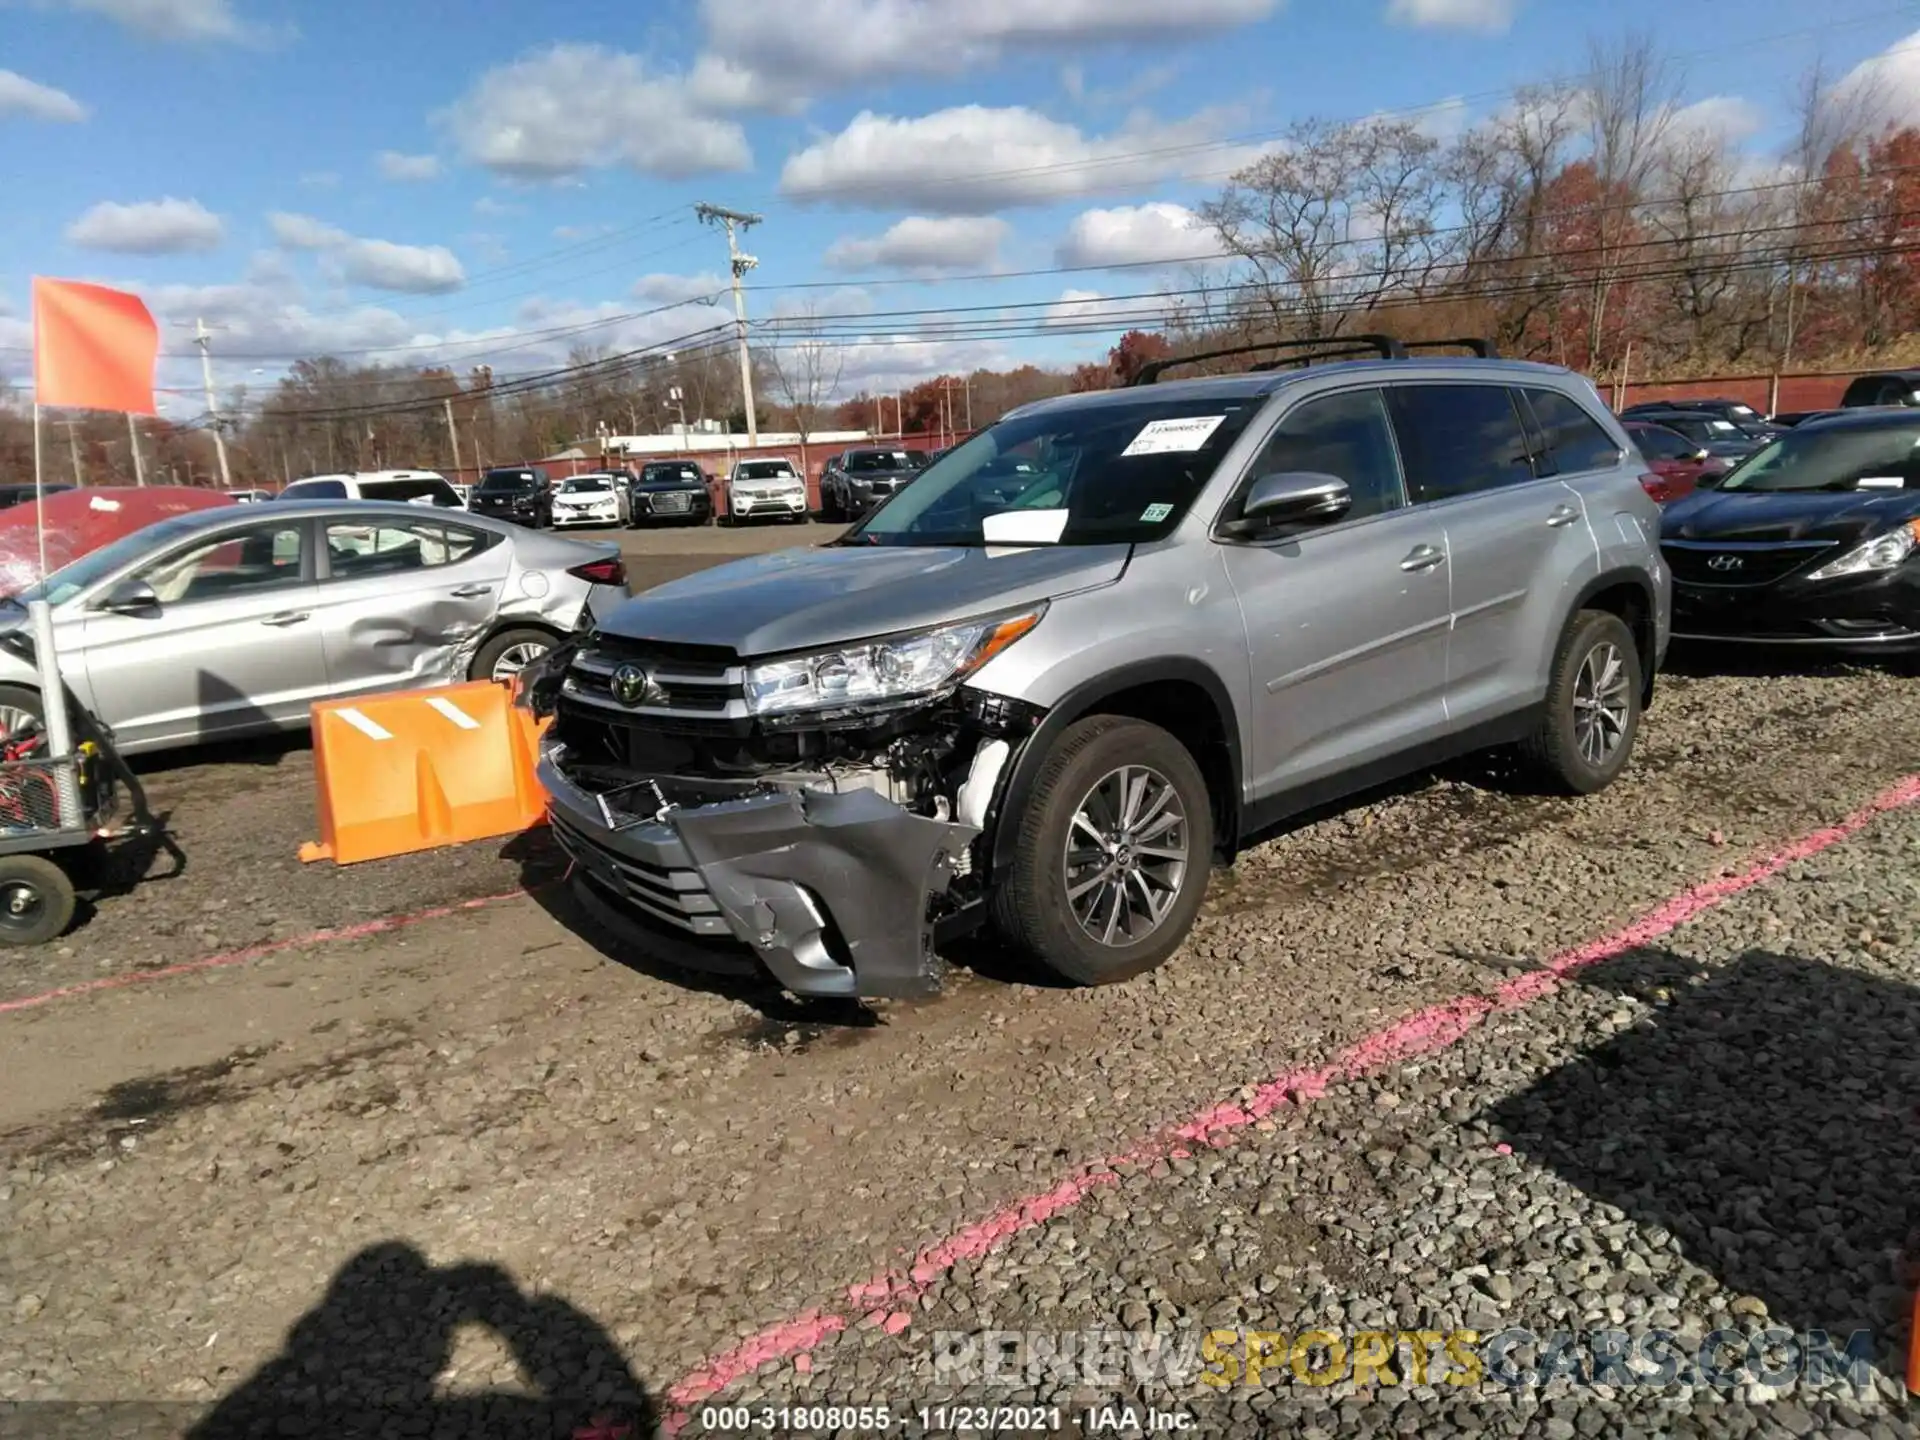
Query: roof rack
(1385, 346)
(1333, 347)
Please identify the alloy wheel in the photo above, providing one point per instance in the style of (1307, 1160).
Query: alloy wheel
(1602, 703)
(516, 658)
(1126, 855)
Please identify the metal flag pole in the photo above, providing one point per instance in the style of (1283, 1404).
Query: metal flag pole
(39, 491)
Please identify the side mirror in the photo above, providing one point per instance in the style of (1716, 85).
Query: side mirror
(1293, 497)
(130, 597)
(1700, 457)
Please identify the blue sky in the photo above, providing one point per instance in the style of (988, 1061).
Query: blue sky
(417, 181)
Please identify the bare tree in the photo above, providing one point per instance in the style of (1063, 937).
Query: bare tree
(805, 371)
(1333, 221)
(1632, 94)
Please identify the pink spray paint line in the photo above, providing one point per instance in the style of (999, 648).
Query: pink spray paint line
(361, 931)
(892, 1292)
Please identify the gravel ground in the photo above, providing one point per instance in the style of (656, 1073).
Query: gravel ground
(481, 1156)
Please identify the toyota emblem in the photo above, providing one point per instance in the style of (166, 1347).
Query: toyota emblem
(634, 685)
(1725, 562)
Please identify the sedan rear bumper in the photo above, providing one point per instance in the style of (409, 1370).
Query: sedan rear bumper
(829, 891)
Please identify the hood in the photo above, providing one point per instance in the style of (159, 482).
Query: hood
(1846, 516)
(805, 599)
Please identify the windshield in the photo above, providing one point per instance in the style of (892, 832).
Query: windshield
(765, 470)
(1876, 459)
(866, 460)
(670, 472)
(511, 480)
(586, 482)
(1093, 474)
(89, 570)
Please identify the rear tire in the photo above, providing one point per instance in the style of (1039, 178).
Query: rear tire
(20, 711)
(1593, 707)
(508, 653)
(1114, 935)
(36, 900)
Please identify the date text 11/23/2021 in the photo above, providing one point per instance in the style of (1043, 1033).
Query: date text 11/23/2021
(942, 1419)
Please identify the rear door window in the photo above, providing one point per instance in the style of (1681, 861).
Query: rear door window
(1574, 440)
(361, 548)
(1656, 442)
(1459, 439)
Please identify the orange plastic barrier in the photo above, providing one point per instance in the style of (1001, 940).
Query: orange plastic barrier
(424, 768)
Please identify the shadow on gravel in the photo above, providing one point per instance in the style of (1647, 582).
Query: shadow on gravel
(1766, 1116)
(367, 1359)
(1696, 661)
(264, 751)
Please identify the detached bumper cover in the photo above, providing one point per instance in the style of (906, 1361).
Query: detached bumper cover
(829, 891)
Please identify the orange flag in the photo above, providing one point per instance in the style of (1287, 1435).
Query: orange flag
(93, 348)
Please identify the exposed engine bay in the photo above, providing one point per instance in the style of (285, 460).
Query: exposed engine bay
(830, 843)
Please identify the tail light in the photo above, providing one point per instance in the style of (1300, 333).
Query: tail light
(601, 572)
(1662, 489)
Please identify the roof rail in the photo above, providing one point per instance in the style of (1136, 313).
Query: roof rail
(1307, 357)
(1484, 349)
(1385, 346)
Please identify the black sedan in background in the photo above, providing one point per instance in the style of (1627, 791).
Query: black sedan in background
(1724, 439)
(671, 490)
(856, 481)
(519, 493)
(1814, 541)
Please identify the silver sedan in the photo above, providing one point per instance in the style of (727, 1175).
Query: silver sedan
(235, 620)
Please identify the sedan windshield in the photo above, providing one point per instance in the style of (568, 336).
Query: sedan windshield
(581, 483)
(1091, 474)
(1843, 459)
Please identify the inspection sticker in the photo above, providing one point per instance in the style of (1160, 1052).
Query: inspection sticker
(1167, 437)
(1155, 512)
(1881, 482)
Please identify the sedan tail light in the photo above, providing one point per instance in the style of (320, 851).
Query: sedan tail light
(1663, 489)
(601, 572)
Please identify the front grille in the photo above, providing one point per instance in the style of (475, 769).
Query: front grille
(671, 504)
(677, 897)
(691, 684)
(1739, 564)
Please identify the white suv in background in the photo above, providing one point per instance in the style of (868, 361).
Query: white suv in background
(765, 487)
(419, 487)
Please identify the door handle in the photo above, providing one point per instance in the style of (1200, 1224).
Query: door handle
(1563, 515)
(287, 617)
(467, 592)
(1423, 557)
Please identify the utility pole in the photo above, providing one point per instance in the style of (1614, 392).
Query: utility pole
(734, 221)
(203, 340)
(453, 433)
(133, 441)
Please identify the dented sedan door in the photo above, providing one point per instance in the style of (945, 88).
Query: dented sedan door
(405, 603)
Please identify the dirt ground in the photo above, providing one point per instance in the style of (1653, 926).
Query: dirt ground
(198, 1157)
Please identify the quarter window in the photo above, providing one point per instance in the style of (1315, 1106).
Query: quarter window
(1459, 439)
(238, 562)
(1346, 435)
(1574, 439)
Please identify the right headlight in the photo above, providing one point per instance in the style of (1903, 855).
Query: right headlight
(900, 667)
(1883, 552)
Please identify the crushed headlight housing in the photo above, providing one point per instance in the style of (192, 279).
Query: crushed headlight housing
(1883, 552)
(899, 667)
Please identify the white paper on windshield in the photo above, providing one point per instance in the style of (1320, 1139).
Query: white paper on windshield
(99, 502)
(1169, 437)
(1024, 527)
(1881, 482)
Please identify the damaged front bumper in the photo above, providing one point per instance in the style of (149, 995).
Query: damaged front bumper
(831, 891)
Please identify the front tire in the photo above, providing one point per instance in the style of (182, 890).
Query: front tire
(1112, 854)
(21, 713)
(1593, 707)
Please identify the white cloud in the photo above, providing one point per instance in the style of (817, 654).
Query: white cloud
(573, 106)
(1722, 117)
(148, 227)
(763, 56)
(490, 205)
(1135, 235)
(1886, 85)
(396, 166)
(1490, 17)
(303, 232)
(34, 101)
(408, 269)
(677, 289)
(377, 264)
(974, 160)
(923, 245)
(320, 180)
(1075, 307)
(174, 19)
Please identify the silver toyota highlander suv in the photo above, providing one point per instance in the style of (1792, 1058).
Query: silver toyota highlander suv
(1093, 651)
